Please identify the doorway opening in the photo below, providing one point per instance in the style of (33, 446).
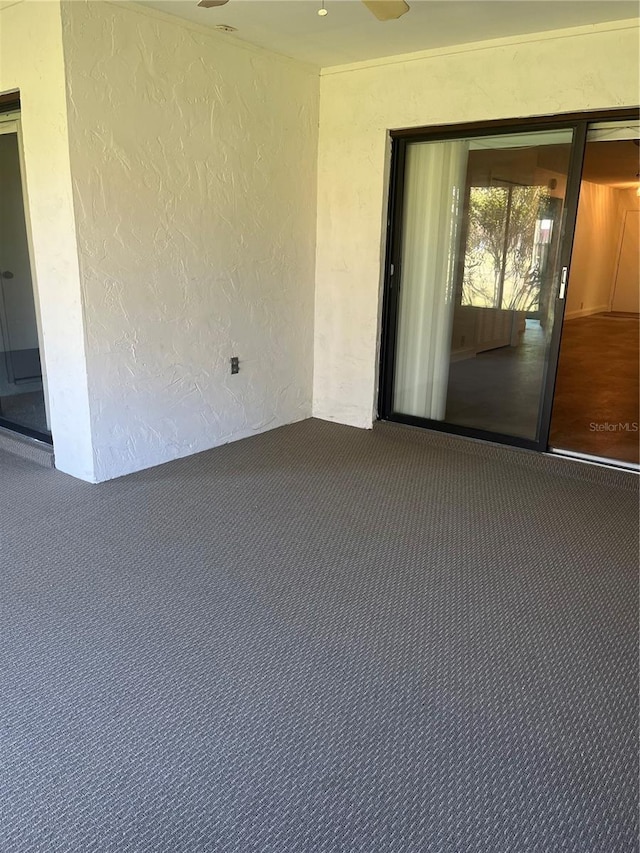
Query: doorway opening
(23, 404)
(596, 400)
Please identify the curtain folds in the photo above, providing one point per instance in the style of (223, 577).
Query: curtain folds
(433, 197)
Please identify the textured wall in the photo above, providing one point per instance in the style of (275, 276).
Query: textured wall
(570, 70)
(595, 248)
(624, 294)
(194, 171)
(31, 60)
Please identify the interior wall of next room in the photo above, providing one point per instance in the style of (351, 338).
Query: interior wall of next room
(626, 285)
(596, 252)
(593, 260)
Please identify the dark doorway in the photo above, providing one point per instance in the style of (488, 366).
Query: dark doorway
(22, 395)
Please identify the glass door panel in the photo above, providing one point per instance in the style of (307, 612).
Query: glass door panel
(22, 400)
(596, 405)
(479, 267)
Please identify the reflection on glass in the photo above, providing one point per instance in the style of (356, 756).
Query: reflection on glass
(479, 266)
(509, 233)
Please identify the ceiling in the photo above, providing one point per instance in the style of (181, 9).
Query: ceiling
(614, 163)
(350, 33)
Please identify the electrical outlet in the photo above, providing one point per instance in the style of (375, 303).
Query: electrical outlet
(582, 305)
(235, 365)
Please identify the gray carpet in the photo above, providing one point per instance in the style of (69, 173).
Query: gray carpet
(320, 639)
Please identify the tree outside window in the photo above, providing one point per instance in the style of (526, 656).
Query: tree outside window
(510, 229)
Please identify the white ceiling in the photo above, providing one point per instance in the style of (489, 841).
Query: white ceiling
(350, 33)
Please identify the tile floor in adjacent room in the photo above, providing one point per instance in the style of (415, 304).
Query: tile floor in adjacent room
(596, 403)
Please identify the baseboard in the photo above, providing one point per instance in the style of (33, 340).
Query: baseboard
(462, 354)
(586, 312)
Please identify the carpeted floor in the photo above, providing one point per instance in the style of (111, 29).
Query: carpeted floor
(320, 640)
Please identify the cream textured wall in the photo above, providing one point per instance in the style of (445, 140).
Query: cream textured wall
(624, 295)
(595, 249)
(31, 60)
(587, 69)
(194, 172)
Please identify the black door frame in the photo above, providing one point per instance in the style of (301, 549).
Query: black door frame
(578, 122)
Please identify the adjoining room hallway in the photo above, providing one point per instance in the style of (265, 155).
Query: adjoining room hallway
(321, 639)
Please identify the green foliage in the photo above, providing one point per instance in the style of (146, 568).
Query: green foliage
(499, 264)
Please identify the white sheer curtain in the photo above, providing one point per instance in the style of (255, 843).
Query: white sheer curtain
(433, 194)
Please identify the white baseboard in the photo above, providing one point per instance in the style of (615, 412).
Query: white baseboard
(586, 312)
(462, 354)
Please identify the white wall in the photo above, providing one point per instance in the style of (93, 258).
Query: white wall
(587, 69)
(31, 60)
(595, 249)
(624, 295)
(194, 173)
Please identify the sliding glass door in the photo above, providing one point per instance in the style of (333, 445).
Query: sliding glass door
(596, 403)
(475, 288)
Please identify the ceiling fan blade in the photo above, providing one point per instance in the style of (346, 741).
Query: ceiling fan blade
(387, 10)
(209, 4)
